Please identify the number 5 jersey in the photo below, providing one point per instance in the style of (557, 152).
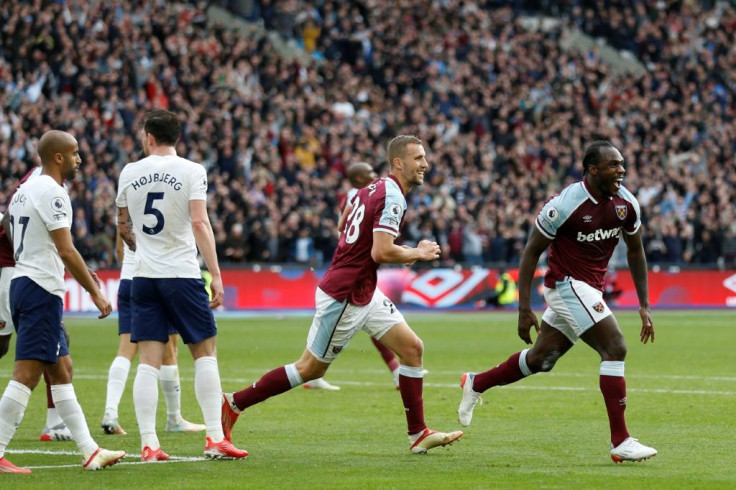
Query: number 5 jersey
(157, 190)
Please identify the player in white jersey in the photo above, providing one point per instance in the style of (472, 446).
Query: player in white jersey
(39, 222)
(120, 366)
(162, 215)
(54, 430)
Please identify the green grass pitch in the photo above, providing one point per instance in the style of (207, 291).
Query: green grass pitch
(548, 431)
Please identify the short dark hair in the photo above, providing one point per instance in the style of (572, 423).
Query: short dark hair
(397, 147)
(593, 154)
(164, 126)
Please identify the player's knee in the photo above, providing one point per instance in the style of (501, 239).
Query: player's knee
(616, 351)
(412, 352)
(27, 377)
(170, 356)
(308, 373)
(309, 369)
(543, 362)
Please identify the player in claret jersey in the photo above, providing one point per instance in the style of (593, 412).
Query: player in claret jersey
(581, 226)
(347, 299)
(360, 175)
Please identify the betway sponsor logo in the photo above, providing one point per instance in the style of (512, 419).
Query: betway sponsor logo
(599, 235)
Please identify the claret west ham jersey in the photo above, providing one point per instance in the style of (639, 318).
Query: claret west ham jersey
(7, 254)
(585, 229)
(379, 206)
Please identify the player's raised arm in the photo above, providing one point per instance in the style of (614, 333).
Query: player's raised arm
(74, 263)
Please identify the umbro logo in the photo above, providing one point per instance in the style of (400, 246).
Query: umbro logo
(587, 218)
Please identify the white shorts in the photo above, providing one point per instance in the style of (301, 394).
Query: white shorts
(336, 322)
(6, 321)
(573, 307)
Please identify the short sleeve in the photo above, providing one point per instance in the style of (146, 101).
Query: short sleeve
(198, 184)
(55, 209)
(633, 219)
(391, 215)
(634, 222)
(121, 200)
(549, 218)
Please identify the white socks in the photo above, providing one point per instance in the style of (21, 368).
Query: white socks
(612, 368)
(145, 399)
(12, 405)
(208, 389)
(52, 418)
(295, 379)
(171, 388)
(116, 379)
(411, 371)
(71, 413)
(523, 367)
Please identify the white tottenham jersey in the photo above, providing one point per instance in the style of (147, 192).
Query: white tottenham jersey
(128, 266)
(157, 191)
(40, 206)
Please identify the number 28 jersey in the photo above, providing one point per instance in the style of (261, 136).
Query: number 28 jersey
(157, 191)
(379, 206)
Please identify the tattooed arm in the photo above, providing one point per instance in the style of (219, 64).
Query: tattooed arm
(125, 228)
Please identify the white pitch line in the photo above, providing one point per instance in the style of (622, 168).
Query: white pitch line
(174, 459)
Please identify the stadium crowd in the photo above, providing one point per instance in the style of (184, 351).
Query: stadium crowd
(504, 111)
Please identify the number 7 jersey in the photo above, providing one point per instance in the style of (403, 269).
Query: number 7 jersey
(378, 207)
(157, 191)
(38, 207)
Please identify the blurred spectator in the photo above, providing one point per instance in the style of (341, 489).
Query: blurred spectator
(504, 111)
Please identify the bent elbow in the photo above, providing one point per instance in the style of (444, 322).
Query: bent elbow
(65, 254)
(199, 224)
(377, 256)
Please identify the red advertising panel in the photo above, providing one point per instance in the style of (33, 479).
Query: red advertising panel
(682, 289)
(293, 289)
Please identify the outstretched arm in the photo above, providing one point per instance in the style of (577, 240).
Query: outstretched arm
(537, 244)
(637, 260)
